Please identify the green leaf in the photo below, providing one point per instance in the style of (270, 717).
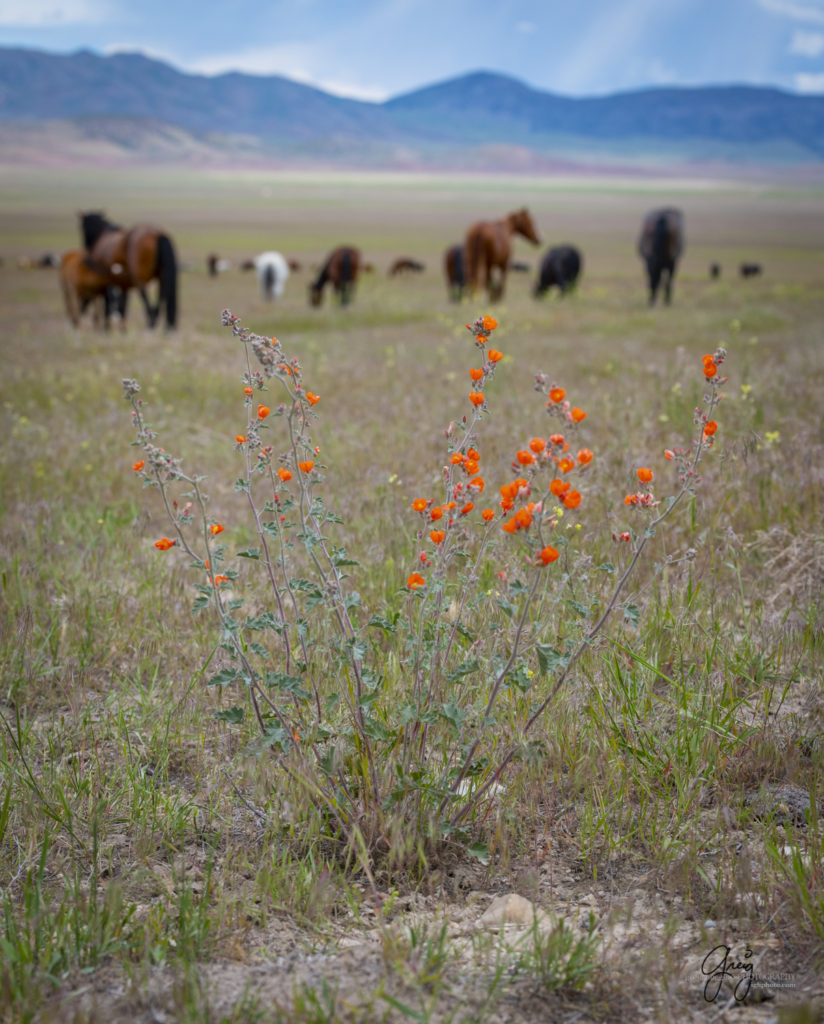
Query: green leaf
(549, 659)
(291, 684)
(352, 600)
(241, 484)
(224, 677)
(249, 553)
(631, 614)
(383, 623)
(466, 669)
(264, 621)
(606, 567)
(454, 714)
(506, 607)
(480, 851)
(258, 649)
(234, 715)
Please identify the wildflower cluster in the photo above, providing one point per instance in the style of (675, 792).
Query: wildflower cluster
(286, 661)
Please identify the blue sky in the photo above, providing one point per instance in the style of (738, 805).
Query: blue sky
(373, 49)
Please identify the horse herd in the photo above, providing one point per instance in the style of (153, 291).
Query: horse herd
(115, 260)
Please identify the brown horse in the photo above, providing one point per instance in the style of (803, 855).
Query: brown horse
(660, 247)
(404, 265)
(488, 247)
(83, 286)
(145, 253)
(341, 271)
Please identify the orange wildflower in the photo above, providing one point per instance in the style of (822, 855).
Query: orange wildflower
(307, 466)
(247, 391)
(263, 411)
(488, 514)
(476, 397)
(490, 323)
(285, 474)
(523, 518)
(221, 579)
(565, 465)
(473, 453)
(710, 428)
(164, 544)
(436, 536)
(436, 513)
(669, 454)
(710, 369)
(216, 528)
(494, 356)
(584, 456)
(548, 554)
(557, 438)
(312, 398)
(510, 526)
(419, 504)
(572, 499)
(471, 467)
(537, 444)
(557, 394)
(559, 487)
(525, 458)
(507, 504)
(415, 581)
(478, 484)
(630, 499)
(645, 475)
(467, 508)
(481, 339)
(577, 414)
(137, 466)
(456, 458)
(475, 373)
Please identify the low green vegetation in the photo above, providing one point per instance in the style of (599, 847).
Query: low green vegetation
(160, 858)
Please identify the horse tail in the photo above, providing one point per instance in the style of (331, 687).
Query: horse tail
(167, 276)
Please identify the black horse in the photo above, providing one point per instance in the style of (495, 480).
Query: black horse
(661, 245)
(455, 272)
(560, 266)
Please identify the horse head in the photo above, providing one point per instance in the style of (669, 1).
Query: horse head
(522, 224)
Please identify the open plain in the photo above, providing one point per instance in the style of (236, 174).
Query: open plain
(156, 866)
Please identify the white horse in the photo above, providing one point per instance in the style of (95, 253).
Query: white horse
(272, 274)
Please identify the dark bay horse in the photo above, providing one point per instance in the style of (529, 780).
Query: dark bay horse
(560, 266)
(488, 247)
(661, 245)
(83, 286)
(145, 253)
(341, 271)
(455, 271)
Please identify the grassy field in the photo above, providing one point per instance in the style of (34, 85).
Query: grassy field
(161, 864)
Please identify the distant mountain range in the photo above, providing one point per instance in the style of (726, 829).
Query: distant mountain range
(130, 107)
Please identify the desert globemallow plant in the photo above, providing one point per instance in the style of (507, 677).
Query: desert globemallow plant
(405, 719)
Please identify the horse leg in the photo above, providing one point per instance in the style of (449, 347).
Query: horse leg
(151, 311)
(654, 281)
(668, 285)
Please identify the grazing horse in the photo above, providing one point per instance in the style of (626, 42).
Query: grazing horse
(145, 253)
(272, 272)
(750, 269)
(560, 266)
(488, 247)
(82, 285)
(455, 271)
(341, 271)
(715, 271)
(405, 264)
(660, 245)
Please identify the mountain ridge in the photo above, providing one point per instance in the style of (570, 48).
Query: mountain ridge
(430, 124)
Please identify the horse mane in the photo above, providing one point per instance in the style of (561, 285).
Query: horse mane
(322, 277)
(93, 225)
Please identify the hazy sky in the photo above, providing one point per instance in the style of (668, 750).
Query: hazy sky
(373, 49)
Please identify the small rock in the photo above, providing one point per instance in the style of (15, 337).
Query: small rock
(512, 909)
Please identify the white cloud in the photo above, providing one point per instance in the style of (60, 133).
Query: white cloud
(807, 44)
(806, 82)
(811, 11)
(50, 13)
